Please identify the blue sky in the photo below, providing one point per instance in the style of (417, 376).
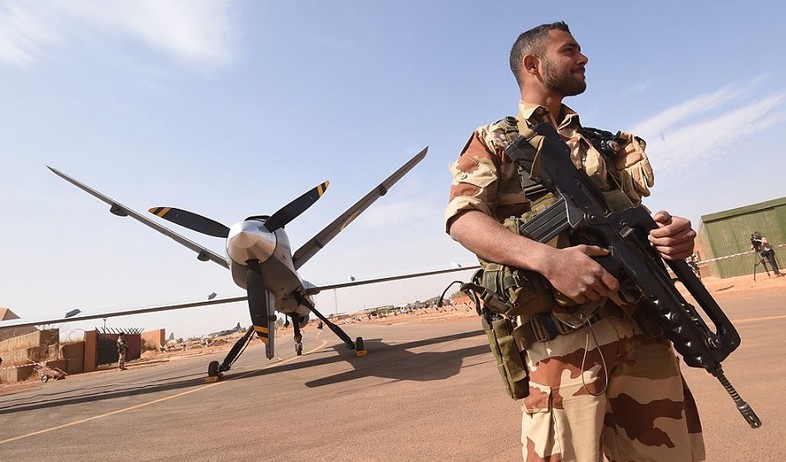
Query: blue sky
(231, 109)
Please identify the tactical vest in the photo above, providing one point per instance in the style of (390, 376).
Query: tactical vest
(520, 293)
(517, 305)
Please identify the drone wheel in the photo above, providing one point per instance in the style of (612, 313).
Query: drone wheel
(212, 369)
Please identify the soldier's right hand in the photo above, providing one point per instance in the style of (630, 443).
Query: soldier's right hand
(574, 273)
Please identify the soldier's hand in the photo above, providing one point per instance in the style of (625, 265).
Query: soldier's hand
(674, 237)
(574, 273)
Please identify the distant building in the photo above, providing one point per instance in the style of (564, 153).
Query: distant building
(6, 314)
(725, 237)
(5, 333)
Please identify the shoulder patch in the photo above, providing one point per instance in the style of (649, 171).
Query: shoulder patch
(498, 135)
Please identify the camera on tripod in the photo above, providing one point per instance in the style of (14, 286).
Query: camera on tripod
(756, 242)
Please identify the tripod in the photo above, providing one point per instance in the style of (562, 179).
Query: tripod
(758, 259)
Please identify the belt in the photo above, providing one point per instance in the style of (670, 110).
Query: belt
(544, 326)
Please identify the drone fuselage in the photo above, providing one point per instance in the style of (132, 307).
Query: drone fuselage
(250, 240)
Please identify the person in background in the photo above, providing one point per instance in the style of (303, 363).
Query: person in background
(122, 350)
(760, 244)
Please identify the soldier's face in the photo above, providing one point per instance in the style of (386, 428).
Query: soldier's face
(563, 65)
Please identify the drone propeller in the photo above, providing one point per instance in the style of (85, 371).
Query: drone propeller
(210, 227)
(290, 211)
(191, 221)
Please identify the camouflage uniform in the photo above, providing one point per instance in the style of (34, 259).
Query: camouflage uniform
(122, 349)
(624, 397)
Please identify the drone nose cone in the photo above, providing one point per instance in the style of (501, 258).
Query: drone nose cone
(244, 234)
(250, 240)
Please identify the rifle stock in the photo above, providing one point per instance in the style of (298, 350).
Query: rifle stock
(584, 213)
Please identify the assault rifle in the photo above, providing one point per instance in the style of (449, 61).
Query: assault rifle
(584, 212)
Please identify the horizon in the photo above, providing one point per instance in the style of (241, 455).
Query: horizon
(231, 109)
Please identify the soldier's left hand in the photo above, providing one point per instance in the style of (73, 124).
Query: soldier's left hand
(674, 237)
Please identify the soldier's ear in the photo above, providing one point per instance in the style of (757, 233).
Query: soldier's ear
(530, 63)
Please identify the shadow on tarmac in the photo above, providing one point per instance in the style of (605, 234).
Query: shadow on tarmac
(388, 361)
(399, 363)
(96, 393)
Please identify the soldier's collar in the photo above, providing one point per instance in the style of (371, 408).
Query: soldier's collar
(535, 113)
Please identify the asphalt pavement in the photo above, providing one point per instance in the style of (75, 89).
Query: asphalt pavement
(427, 391)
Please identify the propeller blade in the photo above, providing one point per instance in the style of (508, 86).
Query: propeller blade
(290, 211)
(191, 221)
(260, 304)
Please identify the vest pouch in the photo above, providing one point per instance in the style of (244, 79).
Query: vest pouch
(510, 361)
(519, 292)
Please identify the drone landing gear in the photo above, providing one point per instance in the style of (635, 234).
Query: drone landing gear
(214, 369)
(357, 345)
(298, 335)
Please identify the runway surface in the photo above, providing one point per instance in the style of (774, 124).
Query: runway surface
(425, 392)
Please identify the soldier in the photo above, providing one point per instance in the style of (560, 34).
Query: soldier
(598, 388)
(122, 349)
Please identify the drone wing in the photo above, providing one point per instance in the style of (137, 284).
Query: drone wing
(311, 247)
(312, 289)
(121, 210)
(111, 314)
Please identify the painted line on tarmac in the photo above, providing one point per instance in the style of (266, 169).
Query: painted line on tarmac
(131, 408)
(768, 318)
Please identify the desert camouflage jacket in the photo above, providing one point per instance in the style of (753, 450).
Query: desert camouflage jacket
(122, 346)
(487, 180)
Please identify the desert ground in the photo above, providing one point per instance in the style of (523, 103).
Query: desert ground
(427, 390)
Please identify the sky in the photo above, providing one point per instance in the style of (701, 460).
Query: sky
(231, 109)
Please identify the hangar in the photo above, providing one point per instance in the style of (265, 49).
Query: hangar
(724, 241)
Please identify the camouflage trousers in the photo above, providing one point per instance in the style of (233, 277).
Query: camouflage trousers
(608, 390)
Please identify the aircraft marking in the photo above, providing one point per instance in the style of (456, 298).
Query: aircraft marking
(263, 333)
(161, 211)
(767, 318)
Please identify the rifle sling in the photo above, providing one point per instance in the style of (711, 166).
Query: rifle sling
(552, 221)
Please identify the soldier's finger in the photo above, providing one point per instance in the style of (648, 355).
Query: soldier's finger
(579, 299)
(611, 283)
(594, 250)
(592, 294)
(662, 217)
(675, 252)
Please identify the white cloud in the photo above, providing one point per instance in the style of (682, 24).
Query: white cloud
(710, 125)
(193, 31)
(635, 90)
(24, 31)
(676, 114)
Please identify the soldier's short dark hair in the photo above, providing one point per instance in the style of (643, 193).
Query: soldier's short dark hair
(531, 42)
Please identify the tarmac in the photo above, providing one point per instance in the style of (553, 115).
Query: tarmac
(428, 390)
